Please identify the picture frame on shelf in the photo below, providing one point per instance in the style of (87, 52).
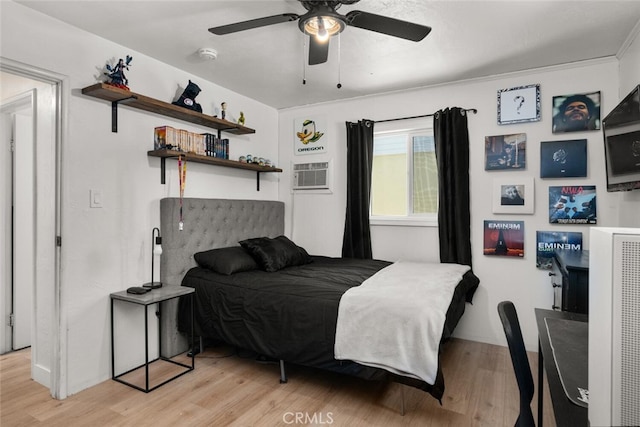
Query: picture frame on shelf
(576, 112)
(519, 104)
(513, 195)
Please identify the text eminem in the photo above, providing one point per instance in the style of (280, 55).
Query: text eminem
(504, 226)
(551, 246)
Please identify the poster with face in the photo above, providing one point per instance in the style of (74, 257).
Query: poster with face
(579, 112)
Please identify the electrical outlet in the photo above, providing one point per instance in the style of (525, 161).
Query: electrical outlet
(95, 198)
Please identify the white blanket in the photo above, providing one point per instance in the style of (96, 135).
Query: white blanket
(395, 319)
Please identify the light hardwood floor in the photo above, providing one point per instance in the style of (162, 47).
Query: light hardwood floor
(227, 389)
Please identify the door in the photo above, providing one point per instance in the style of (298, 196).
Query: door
(23, 228)
(18, 217)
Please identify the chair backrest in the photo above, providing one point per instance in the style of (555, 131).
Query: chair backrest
(511, 325)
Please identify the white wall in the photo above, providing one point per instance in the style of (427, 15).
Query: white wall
(629, 79)
(107, 249)
(317, 221)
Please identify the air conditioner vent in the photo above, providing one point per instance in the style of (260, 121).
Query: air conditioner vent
(311, 176)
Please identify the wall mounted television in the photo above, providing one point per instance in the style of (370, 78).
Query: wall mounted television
(621, 131)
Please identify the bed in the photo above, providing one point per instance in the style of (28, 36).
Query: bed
(289, 313)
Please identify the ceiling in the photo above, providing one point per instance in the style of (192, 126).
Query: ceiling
(469, 39)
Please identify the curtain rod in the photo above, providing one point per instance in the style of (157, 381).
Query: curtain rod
(468, 110)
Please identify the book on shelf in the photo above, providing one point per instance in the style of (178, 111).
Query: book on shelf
(167, 137)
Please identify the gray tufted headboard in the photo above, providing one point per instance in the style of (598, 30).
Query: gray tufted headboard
(208, 224)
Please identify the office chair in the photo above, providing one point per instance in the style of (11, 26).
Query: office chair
(511, 325)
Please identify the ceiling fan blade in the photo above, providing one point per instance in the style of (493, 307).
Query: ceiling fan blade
(318, 51)
(253, 23)
(385, 25)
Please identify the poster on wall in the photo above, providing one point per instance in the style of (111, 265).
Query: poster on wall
(505, 152)
(513, 195)
(519, 104)
(563, 159)
(547, 242)
(310, 135)
(572, 204)
(504, 238)
(577, 112)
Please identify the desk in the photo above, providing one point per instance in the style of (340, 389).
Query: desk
(566, 413)
(156, 296)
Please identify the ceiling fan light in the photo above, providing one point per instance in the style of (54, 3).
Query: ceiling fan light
(323, 27)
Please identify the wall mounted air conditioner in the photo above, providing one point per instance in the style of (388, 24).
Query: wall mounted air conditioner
(312, 176)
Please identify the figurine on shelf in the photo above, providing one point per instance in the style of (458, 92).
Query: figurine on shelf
(188, 98)
(116, 73)
(223, 112)
(241, 119)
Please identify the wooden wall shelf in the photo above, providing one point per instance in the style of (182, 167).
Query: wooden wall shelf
(117, 96)
(190, 157)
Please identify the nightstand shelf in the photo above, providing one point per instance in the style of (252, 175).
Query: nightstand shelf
(156, 296)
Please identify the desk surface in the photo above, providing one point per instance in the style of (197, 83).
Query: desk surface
(566, 413)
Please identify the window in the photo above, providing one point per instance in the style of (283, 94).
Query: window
(404, 185)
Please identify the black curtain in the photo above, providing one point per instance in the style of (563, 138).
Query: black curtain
(356, 242)
(452, 155)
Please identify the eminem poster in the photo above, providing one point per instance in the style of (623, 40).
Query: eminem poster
(572, 204)
(547, 242)
(504, 238)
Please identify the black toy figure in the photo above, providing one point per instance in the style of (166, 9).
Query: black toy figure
(187, 99)
(116, 73)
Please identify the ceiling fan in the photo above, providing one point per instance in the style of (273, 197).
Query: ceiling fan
(322, 21)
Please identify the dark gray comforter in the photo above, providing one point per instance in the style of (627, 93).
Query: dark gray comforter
(291, 314)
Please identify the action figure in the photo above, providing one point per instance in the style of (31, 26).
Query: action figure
(188, 98)
(116, 74)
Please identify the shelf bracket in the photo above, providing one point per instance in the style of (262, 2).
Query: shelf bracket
(163, 161)
(257, 181)
(114, 112)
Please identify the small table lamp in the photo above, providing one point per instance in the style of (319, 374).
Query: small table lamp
(156, 249)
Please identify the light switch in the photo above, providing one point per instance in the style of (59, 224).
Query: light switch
(95, 198)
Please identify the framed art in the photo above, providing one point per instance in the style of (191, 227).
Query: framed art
(519, 104)
(578, 112)
(548, 242)
(563, 159)
(513, 195)
(505, 152)
(572, 204)
(308, 135)
(504, 238)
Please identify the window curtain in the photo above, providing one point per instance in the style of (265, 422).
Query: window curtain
(451, 137)
(356, 242)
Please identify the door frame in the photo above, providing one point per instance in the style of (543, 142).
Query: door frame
(60, 83)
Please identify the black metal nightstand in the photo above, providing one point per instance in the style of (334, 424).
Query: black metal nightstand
(156, 296)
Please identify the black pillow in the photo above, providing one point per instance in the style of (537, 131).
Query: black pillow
(274, 254)
(226, 260)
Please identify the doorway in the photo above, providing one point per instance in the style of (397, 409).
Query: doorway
(18, 129)
(31, 114)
